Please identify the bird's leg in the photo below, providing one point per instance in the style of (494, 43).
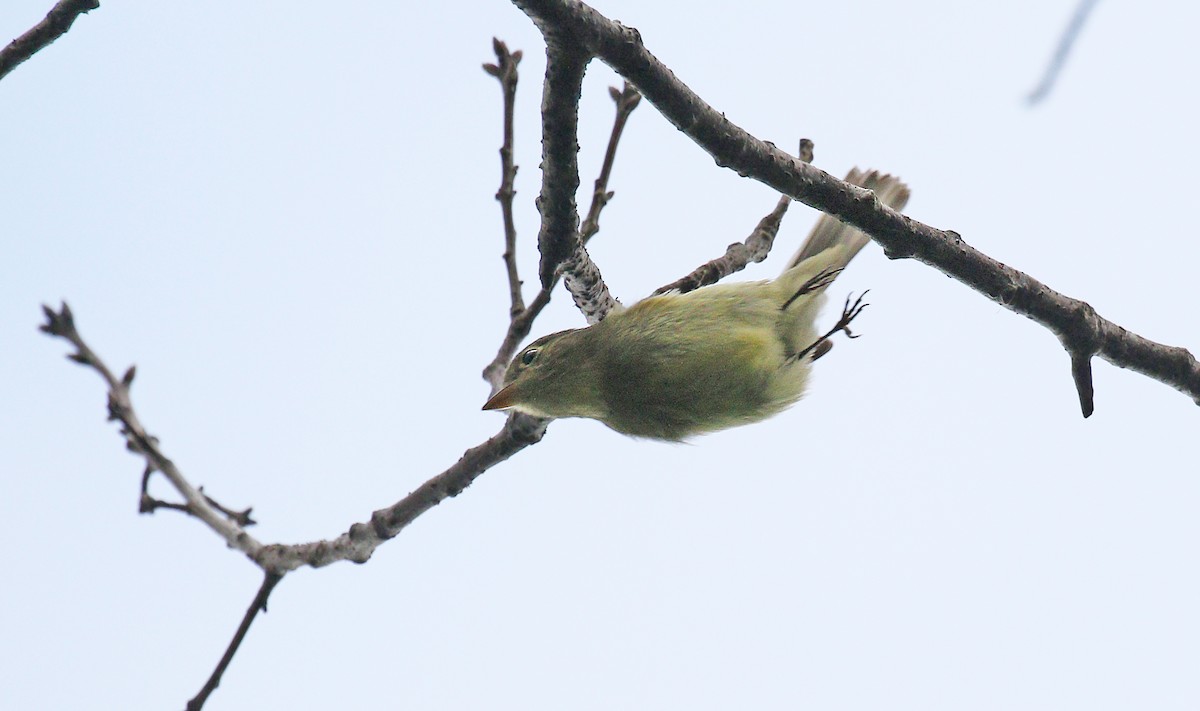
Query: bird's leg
(820, 281)
(822, 345)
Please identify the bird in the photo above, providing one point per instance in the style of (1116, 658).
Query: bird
(676, 365)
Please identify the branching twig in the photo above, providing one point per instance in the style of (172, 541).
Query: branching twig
(148, 504)
(1080, 329)
(259, 604)
(519, 327)
(55, 25)
(138, 441)
(1061, 52)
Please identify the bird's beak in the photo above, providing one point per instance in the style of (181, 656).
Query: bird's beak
(503, 399)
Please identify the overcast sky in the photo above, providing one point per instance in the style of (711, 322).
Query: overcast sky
(283, 214)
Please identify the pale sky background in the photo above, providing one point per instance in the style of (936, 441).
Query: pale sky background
(283, 214)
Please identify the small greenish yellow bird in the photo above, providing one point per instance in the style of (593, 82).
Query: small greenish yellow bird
(676, 365)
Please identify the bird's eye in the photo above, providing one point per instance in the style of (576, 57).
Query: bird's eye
(529, 356)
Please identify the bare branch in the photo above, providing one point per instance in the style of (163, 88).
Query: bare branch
(1061, 52)
(505, 70)
(359, 542)
(55, 25)
(259, 604)
(1073, 321)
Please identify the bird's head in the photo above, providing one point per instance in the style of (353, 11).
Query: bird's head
(555, 376)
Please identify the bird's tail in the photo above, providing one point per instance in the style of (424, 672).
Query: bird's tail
(831, 232)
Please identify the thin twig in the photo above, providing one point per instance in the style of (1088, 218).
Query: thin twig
(241, 518)
(626, 99)
(740, 254)
(505, 70)
(259, 604)
(1081, 330)
(147, 504)
(55, 25)
(1061, 52)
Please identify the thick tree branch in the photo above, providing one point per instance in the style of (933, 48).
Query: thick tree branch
(626, 99)
(55, 25)
(563, 251)
(1080, 329)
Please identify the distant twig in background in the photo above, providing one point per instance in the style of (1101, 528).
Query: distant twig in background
(55, 25)
(1061, 52)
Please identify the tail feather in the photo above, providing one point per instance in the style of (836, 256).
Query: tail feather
(830, 231)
